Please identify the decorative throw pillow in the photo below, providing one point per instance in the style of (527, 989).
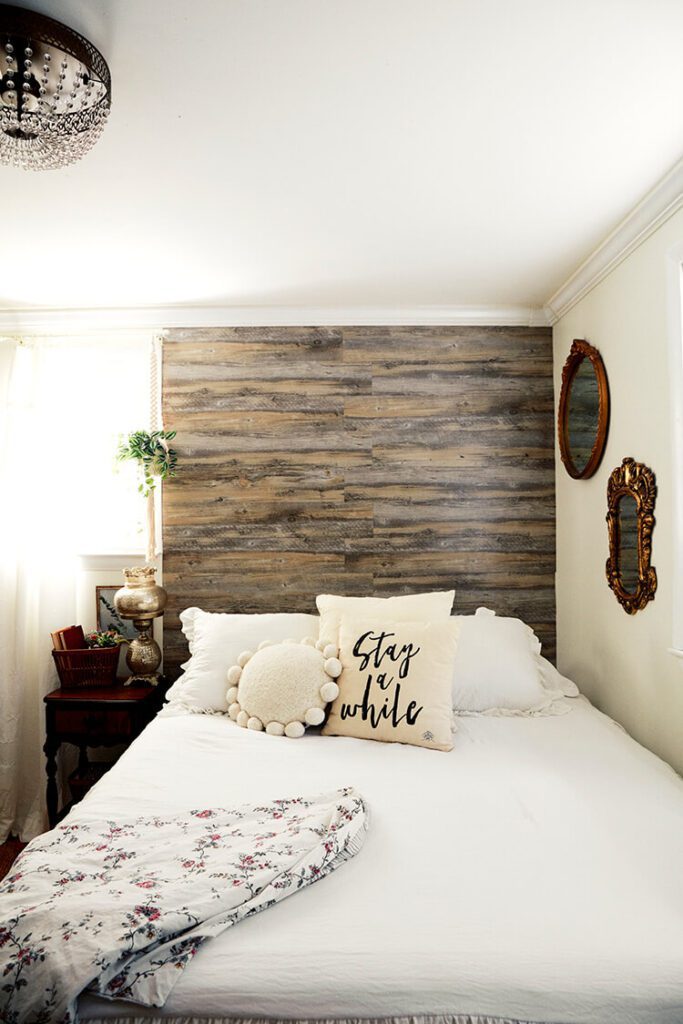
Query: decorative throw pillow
(396, 682)
(406, 608)
(499, 670)
(215, 640)
(283, 687)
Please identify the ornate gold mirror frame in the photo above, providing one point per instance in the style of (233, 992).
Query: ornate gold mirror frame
(632, 479)
(579, 351)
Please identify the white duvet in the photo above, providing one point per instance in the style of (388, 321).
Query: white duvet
(535, 873)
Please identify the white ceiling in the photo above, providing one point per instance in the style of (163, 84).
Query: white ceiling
(349, 152)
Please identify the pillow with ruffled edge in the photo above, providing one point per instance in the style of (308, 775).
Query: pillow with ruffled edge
(283, 687)
(499, 670)
(215, 640)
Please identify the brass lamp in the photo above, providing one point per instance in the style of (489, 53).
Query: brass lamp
(142, 600)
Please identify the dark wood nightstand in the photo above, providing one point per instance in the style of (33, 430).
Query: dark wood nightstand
(93, 716)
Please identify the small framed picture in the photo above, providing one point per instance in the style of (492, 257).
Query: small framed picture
(107, 615)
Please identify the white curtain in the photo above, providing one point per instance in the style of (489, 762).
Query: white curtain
(63, 403)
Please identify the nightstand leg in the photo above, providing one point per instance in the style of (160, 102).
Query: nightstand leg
(50, 749)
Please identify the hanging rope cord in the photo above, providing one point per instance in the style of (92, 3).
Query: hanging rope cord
(154, 424)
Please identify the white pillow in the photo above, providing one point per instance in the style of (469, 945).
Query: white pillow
(499, 670)
(216, 640)
(554, 680)
(430, 607)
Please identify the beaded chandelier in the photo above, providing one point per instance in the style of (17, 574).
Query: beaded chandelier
(55, 91)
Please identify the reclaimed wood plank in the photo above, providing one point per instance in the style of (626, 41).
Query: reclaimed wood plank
(359, 460)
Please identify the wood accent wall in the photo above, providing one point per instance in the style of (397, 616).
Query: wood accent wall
(359, 460)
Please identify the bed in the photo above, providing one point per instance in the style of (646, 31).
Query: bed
(534, 874)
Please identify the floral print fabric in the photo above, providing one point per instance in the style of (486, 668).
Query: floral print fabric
(122, 907)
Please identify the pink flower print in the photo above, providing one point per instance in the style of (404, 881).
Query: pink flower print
(149, 884)
(214, 837)
(102, 846)
(237, 881)
(204, 814)
(148, 911)
(188, 863)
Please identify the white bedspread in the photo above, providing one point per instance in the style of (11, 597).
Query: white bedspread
(535, 872)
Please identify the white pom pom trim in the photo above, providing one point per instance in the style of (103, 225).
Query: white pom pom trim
(275, 729)
(234, 711)
(330, 651)
(333, 667)
(231, 695)
(242, 719)
(255, 723)
(244, 658)
(294, 730)
(234, 673)
(315, 716)
(329, 692)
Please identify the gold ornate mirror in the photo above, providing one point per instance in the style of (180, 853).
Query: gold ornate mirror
(631, 492)
(583, 414)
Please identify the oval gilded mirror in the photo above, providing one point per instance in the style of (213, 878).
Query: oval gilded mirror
(631, 492)
(583, 415)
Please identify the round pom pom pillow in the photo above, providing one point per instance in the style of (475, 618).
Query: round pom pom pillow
(283, 687)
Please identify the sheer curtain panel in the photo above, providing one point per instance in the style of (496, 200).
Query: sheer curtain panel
(63, 403)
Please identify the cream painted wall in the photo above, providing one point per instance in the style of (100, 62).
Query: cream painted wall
(621, 662)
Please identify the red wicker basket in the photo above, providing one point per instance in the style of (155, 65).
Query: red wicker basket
(94, 666)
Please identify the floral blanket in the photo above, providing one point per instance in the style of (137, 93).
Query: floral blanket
(122, 907)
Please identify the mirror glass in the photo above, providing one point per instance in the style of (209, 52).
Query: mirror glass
(628, 543)
(583, 414)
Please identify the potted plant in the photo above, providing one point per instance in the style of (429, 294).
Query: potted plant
(156, 460)
(104, 638)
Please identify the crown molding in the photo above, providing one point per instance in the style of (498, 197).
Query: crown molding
(660, 203)
(34, 320)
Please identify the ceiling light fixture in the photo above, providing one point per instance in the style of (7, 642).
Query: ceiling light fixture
(55, 91)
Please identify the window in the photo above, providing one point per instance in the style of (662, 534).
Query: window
(68, 402)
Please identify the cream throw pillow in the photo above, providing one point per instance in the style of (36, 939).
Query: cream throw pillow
(407, 608)
(395, 684)
(282, 688)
